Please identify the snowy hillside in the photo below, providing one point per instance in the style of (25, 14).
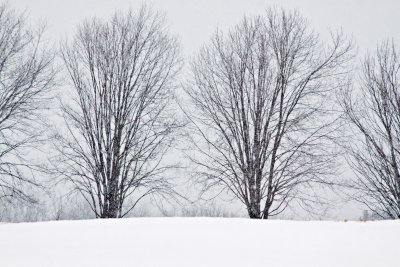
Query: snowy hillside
(199, 242)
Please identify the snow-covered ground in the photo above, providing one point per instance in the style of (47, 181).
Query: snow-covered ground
(200, 242)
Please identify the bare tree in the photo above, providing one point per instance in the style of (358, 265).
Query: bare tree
(373, 111)
(121, 122)
(263, 112)
(26, 75)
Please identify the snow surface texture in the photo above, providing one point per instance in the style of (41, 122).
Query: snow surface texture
(199, 242)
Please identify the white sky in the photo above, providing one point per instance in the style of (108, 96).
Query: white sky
(368, 21)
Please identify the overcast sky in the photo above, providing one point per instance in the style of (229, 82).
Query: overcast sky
(368, 21)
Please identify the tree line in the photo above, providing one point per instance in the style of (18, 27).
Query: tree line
(267, 111)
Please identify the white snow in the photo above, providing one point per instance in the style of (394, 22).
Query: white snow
(200, 242)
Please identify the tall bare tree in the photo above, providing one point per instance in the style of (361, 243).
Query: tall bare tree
(121, 122)
(26, 75)
(373, 110)
(261, 95)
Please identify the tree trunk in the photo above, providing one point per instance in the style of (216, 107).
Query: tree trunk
(254, 211)
(265, 214)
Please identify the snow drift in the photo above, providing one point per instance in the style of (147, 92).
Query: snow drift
(199, 242)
